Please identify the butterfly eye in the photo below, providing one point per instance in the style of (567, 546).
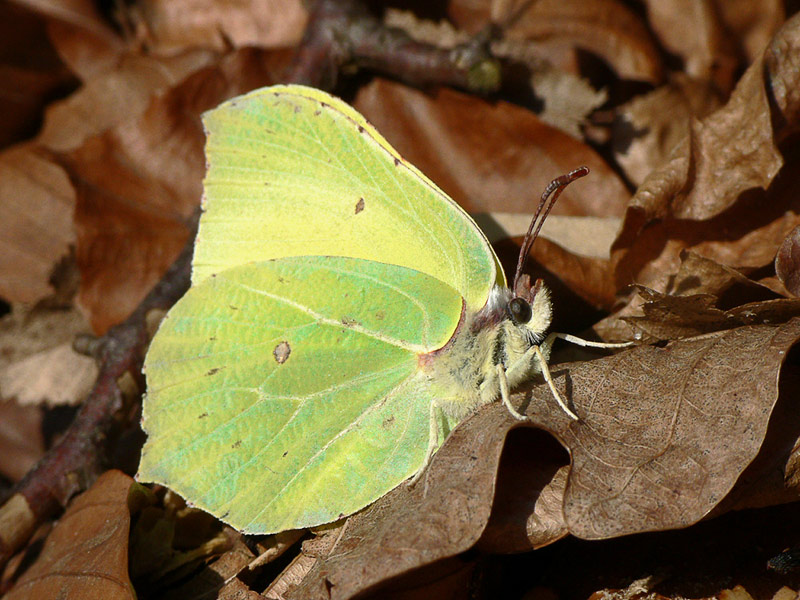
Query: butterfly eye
(519, 311)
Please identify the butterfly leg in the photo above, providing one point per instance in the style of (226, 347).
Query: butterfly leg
(505, 393)
(521, 369)
(549, 378)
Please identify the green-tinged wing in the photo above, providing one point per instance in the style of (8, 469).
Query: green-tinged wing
(286, 393)
(294, 171)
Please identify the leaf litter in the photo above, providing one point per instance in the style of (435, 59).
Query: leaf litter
(670, 433)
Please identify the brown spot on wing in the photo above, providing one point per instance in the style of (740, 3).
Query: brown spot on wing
(359, 205)
(349, 321)
(282, 352)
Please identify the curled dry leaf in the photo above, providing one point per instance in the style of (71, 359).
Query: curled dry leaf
(676, 317)
(787, 262)
(700, 283)
(86, 554)
(731, 151)
(700, 275)
(488, 157)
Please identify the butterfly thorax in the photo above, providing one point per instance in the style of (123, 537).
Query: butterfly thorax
(502, 332)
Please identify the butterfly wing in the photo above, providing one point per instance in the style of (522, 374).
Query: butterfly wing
(294, 171)
(287, 393)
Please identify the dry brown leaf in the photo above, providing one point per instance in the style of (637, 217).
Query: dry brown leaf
(767, 480)
(25, 332)
(666, 432)
(722, 286)
(728, 153)
(695, 32)
(678, 317)
(737, 141)
(527, 510)
(489, 157)
(86, 554)
(133, 82)
(52, 377)
(170, 27)
(21, 441)
(36, 204)
(745, 237)
(700, 275)
(590, 278)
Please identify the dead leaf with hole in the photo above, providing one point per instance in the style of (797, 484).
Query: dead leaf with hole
(664, 435)
(86, 554)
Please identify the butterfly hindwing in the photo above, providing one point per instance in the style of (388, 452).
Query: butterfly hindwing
(287, 393)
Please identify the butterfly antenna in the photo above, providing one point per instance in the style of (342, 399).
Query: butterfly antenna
(554, 189)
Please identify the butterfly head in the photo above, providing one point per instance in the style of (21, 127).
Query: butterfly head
(529, 308)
